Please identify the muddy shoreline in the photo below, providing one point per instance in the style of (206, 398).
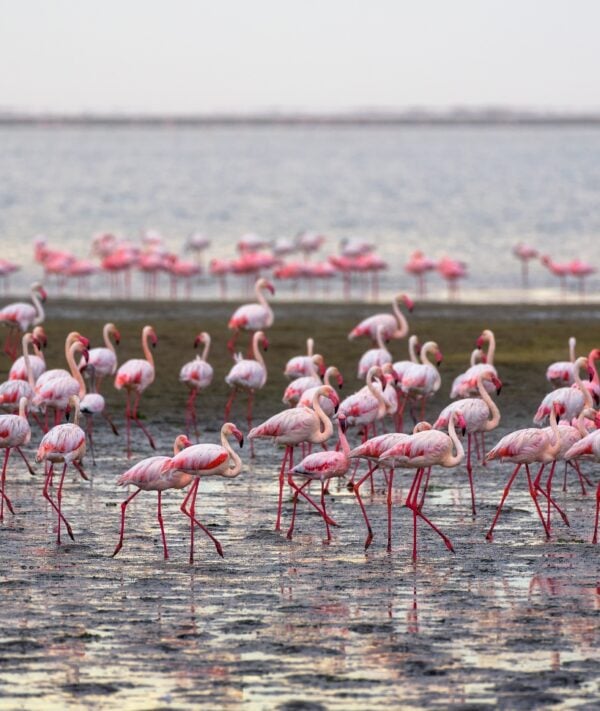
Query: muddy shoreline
(301, 625)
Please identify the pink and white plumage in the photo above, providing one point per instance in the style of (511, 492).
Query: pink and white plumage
(294, 391)
(367, 405)
(301, 365)
(329, 404)
(570, 400)
(465, 385)
(21, 316)
(414, 350)
(14, 432)
(37, 362)
(560, 373)
(197, 374)
(379, 356)
(72, 337)
(255, 316)
(394, 325)
(422, 380)
(55, 392)
(104, 359)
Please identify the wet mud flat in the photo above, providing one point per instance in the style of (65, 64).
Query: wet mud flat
(300, 624)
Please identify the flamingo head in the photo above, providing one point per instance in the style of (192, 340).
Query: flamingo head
(408, 302)
(460, 422)
(229, 428)
(39, 337)
(85, 342)
(417, 348)
(389, 374)
(116, 333)
(497, 383)
(266, 284)
(265, 343)
(42, 293)
(181, 442)
(340, 380)
(152, 336)
(319, 361)
(558, 408)
(343, 423)
(438, 357)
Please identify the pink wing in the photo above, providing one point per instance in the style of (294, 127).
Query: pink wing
(199, 458)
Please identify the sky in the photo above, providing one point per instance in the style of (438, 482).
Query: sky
(206, 56)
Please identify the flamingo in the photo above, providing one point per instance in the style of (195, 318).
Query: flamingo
(64, 443)
(418, 265)
(249, 375)
(420, 451)
(524, 253)
(588, 447)
(20, 316)
(525, 447)
(571, 400)
(367, 405)
(593, 385)
(580, 270)
(559, 270)
(465, 385)
(147, 476)
(104, 359)
(18, 371)
(292, 427)
(321, 466)
(452, 270)
(301, 365)
(47, 375)
(14, 433)
(12, 391)
(561, 372)
(329, 404)
(394, 325)
(297, 387)
(421, 381)
(197, 374)
(134, 376)
(92, 403)
(481, 415)
(374, 356)
(400, 367)
(252, 317)
(202, 460)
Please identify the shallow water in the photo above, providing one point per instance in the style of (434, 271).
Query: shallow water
(300, 624)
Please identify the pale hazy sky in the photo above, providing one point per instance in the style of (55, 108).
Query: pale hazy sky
(185, 56)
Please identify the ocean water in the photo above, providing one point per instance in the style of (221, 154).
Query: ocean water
(467, 192)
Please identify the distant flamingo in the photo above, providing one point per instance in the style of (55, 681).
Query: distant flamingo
(14, 433)
(18, 371)
(580, 270)
(197, 374)
(481, 415)
(452, 270)
(420, 451)
(147, 475)
(321, 466)
(394, 325)
(374, 356)
(252, 317)
(559, 270)
(134, 376)
(524, 253)
(293, 427)
(418, 265)
(20, 316)
(301, 365)
(104, 359)
(201, 460)
(62, 444)
(560, 373)
(571, 399)
(526, 446)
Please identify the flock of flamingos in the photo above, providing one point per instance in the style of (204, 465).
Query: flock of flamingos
(314, 415)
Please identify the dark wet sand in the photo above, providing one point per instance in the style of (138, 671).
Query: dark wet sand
(301, 625)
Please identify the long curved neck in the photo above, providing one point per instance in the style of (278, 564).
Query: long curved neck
(572, 344)
(492, 407)
(23, 408)
(326, 426)
(25, 341)
(106, 336)
(206, 349)
(76, 413)
(35, 297)
(380, 341)
(412, 349)
(329, 373)
(310, 345)
(587, 398)
(491, 349)
(425, 351)
(378, 394)
(262, 299)
(146, 348)
(234, 456)
(344, 446)
(75, 372)
(453, 460)
(256, 351)
(402, 322)
(554, 446)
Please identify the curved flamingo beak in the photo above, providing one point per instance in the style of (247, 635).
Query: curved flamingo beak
(186, 442)
(43, 293)
(479, 342)
(340, 380)
(85, 341)
(410, 304)
(343, 423)
(117, 338)
(238, 435)
(439, 358)
(591, 372)
(265, 344)
(154, 340)
(270, 287)
(85, 354)
(497, 384)
(197, 341)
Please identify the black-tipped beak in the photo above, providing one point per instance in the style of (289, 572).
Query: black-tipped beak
(464, 431)
(335, 409)
(499, 390)
(242, 442)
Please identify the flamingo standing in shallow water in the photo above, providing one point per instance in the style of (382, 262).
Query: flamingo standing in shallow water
(252, 317)
(421, 381)
(134, 376)
(14, 433)
(418, 265)
(295, 390)
(202, 460)
(465, 384)
(147, 475)
(571, 400)
(580, 270)
(20, 316)
(374, 356)
(524, 253)
(18, 371)
(560, 373)
(364, 407)
(394, 325)
(589, 448)
(197, 374)
(301, 365)
(92, 403)
(104, 359)
(62, 444)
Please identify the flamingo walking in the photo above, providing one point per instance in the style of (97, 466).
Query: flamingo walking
(394, 325)
(134, 376)
(14, 433)
(252, 317)
(197, 374)
(147, 475)
(201, 460)
(20, 316)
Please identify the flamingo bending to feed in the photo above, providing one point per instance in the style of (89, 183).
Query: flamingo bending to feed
(321, 466)
(589, 448)
(422, 380)
(465, 385)
(14, 433)
(197, 374)
(560, 373)
(571, 400)
(202, 460)
(134, 376)
(18, 371)
(374, 356)
(481, 415)
(104, 359)
(147, 475)
(293, 427)
(421, 451)
(20, 316)
(394, 325)
(252, 317)
(92, 403)
(62, 444)
(301, 365)
(524, 447)
(248, 375)
(297, 387)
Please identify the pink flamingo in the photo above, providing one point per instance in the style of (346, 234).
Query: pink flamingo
(62, 444)
(465, 385)
(6, 269)
(14, 433)
(418, 265)
(202, 460)
(301, 365)
(47, 375)
(252, 317)
(580, 270)
(589, 448)
(293, 427)
(374, 356)
(321, 466)
(560, 373)
(134, 376)
(481, 415)
(20, 316)
(181, 269)
(147, 475)
(421, 451)
(559, 270)
(197, 374)
(294, 391)
(309, 242)
(452, 270)
(221, 268)
(249, 375)
(104, 359)
(251, 242)
(197, 243)
(329, 403)
(121, 261)
(571, 400)
(394, 325)
(18, 370)
(593, 385)
(12, 391)
(526, 446)
(421, 381)
(400, 367)
(365, 407)
(524, 253)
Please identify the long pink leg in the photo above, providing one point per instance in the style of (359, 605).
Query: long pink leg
(90, 428)
(122, 534)
(281, 484)
(582, 477)
(194, 493)
(550, 500)
(425, 487)
(231, 342)
(356, 489)
(195, 521)
(161, 524)
(470, 472)
(110, 422)
(389, 510)
(421, 515)
(59, 498)
(128, 422)
(311, 501)
(191, 411)
(595, 537)
(410, 503)
(325, 512)
(533, 494)
(229, 403)
(51, 501)
(249, 419)
(140, 424)
(3, 496)
(488, 535)
(295, 502)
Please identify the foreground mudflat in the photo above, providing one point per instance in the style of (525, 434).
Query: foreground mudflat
(280, 624)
